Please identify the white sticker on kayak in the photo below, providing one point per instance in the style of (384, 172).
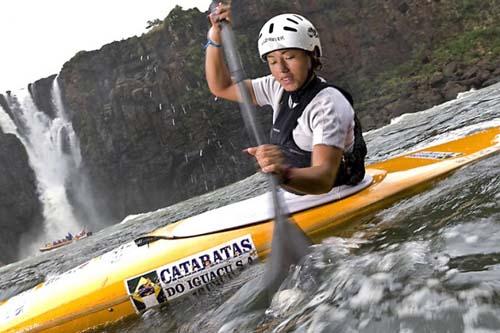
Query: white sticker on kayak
(191, 273)
(433, 155)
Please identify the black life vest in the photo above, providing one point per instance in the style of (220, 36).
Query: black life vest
(352, 167)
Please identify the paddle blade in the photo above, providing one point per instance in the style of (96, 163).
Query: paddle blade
(289, 245)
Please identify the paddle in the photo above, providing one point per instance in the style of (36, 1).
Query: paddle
(289, 243)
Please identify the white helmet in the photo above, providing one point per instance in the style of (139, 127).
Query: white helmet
(288, 31)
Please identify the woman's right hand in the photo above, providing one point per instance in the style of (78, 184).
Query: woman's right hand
(270, 159)
(220, 13)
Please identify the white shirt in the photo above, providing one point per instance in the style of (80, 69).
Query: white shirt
(328, 119)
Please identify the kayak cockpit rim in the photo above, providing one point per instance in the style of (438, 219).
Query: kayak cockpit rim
(294, 203)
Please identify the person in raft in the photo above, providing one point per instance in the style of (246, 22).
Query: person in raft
(316, 140)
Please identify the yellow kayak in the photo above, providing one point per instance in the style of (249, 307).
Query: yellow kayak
(182, 257)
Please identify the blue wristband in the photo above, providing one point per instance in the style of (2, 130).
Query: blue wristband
(212, 43)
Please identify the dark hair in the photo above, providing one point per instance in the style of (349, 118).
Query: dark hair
(315, 61)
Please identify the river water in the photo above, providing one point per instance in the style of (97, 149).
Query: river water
(429, 263)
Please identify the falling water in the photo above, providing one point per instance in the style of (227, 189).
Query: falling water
(6, 124)
(41, 137)
(68, 139)
(70, 147)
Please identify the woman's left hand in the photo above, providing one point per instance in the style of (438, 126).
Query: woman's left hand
(270, 159)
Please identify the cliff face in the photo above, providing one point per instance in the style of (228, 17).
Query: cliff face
(151, 134)
(41, 91)
(20, 210)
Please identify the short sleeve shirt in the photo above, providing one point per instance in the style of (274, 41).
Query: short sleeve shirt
(328, 119)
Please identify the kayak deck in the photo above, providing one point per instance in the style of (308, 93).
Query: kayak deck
(259, 209)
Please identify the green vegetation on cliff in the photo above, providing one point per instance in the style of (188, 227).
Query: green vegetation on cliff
(474, 45)
(461, 60)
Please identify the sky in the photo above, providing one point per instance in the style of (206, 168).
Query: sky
(38, 37)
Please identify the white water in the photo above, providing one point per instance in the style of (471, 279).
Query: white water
(41, 137)
(61, 114)
(6, 124)
(68, 137)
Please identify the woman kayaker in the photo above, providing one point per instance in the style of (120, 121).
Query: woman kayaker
(316, 141)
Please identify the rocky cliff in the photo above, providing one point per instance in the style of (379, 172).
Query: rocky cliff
(20, 210)
(151, 134)
(41, 91)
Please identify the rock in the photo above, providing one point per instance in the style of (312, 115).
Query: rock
(20, 209)
(434, 97)
(474, 82)
(367, 120)
(471, 72)
(400, 106)
(403, 7)
(487, 65)
(425, 59)
(476, 79)
(41, 91)
(483, 75)
(139, 94)
(4, 105)
(436, 79)
(65, 141)
(491, 81)
(451, 90)
(426, 98)
(450, 69)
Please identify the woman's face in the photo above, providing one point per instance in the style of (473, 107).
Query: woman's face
(290, 67)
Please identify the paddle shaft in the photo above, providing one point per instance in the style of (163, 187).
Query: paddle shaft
(246, 105)
(289, 243)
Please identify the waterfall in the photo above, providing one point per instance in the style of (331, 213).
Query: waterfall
(68, 141)
(41, 137)
(6, 124)
(77, 179)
